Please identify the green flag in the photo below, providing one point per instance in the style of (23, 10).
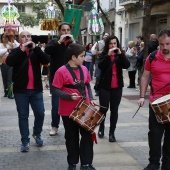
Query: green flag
(72, 15)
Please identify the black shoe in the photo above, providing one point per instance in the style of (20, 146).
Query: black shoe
(131, 87)
(152, 167)
(71, 167)
(87, 167)
(101, 131)
(112, 138)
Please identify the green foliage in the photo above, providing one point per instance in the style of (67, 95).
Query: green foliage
(28, 20)
(37, 8)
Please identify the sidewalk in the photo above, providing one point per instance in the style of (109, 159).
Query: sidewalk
(130, 152)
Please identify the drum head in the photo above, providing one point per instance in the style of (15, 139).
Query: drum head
(161, 99)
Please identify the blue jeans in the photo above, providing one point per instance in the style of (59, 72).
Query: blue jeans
(54, 112)
(89, 66)
(35, 99)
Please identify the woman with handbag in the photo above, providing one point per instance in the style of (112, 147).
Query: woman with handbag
(111, 63)
(6, 71)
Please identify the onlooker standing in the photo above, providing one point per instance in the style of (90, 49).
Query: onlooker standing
(5, 47)
(96, 50)
(111, 63)
(139, 39)
(153, 44)
(27, 88)
(57, 50)
(139, 63)
(89, 59)
(130, 54)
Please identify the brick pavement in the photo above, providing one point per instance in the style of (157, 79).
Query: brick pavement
(130, 152)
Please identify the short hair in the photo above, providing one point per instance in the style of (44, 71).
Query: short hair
(74, 49)
(164, 33)
(64, 23)
(140, 37)
(107, 42)
(131, 44)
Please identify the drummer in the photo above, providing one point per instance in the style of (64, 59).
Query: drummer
(159, 68)
(69, 96)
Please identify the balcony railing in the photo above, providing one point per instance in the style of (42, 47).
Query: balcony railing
(127, 2)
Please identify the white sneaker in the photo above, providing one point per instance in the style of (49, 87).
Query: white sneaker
(50, 95)
(53, 131)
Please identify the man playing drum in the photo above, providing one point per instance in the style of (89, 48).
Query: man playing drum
(159, 68)
(65, 87)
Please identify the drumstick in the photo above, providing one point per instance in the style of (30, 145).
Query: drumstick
(100, 106)
(93, 99)
(86, 97)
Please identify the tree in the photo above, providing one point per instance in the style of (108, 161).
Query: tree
(28, 20)
(147, 7)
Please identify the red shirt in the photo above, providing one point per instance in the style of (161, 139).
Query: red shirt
(160, 71)
(30, 84)
(114, 82)
(63, 77)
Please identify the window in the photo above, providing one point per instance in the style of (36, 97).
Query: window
(21, 8)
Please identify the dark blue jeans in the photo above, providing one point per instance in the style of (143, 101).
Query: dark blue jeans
(35, 99)
(54, 112)
(89, 66)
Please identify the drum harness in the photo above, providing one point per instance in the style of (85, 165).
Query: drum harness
(79, 85)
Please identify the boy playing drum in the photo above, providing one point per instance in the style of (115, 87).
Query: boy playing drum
(70, 91)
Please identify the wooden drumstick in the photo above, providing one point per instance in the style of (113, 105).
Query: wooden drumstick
(93, 99)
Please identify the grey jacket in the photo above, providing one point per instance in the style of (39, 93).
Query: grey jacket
(132, 59)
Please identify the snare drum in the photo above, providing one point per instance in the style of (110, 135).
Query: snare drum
(87, 116)
(161, 107)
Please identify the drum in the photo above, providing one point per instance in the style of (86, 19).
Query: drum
(87, 116)
(161, 107)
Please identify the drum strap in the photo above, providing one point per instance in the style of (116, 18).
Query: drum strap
(79, 85)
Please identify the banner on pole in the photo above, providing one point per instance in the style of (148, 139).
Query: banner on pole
(72, 15)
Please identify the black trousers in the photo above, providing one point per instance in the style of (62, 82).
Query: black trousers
(112, 97)
(156, 132)
(6, 72)
(76, 149)
(132, 78)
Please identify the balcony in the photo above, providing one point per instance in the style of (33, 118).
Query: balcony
(127, 2)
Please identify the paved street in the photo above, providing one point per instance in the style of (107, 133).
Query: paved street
(130, 152)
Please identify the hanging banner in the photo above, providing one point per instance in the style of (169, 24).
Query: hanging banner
(72, 15)
(95, 23)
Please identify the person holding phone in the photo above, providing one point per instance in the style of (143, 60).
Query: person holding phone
(111, 63)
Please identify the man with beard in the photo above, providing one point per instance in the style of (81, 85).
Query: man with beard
(159, 68)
